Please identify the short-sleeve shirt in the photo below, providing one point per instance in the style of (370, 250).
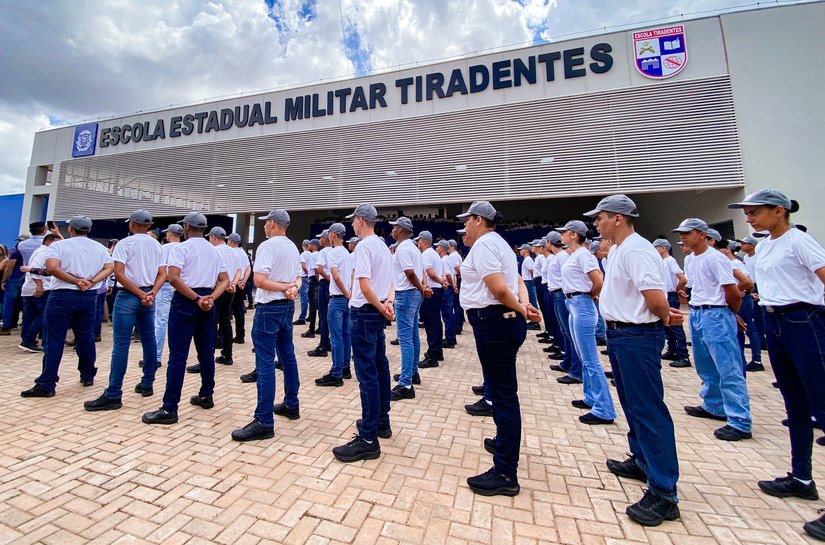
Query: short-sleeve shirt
(406, 257)
(575, 271)
(455, 260)
(166, 249)
(19, 261)
(527, 267)
(141, 256)
(278, 259)
(489, 254)
(373, 260)
(447, 266)
(230, 259)
(631, 267)
(709, 272)
(242, 260)
(311, 261)
(786, 269)
(323, 259)
(340, 259)
(28, 246)
(670, 268)
(538, 266)
(431, 260)
(199, 262)
(552, 271)
(81, 257)
(36, 261)
(305, 257)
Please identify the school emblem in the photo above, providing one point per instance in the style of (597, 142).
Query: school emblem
(85, 137)
(661, 52)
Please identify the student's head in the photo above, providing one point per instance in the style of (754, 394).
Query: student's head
(767, 209)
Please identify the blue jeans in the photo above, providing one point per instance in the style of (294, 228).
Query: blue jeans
(163, 300)
(13, 287)
(550, 319)
(746, 312)
(407, 304)
(796, 346)
(498, 339)
(458, 312)
(100, 302)
(635, 357)
(719, 365)
(601, 327)
(541, 298)
(571, 363)
(187, 321)
(271, 333)
(129, 312)
(33, 308)
(371, 368)
(431, 315)
(583, 317)
(304, 298)
(447, 315)
(339, 335)
(323, 309)
(531, 293)
(676, 340)
(68, 309)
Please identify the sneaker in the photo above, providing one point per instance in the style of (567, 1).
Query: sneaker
(29, 347)
(445, 344)
(357, 449)
(252, 432)
(87, 382)
(317, 353)
(754, 366)
(493, 483)
(567, 379)
(545, 340)
(250, 377)
(282, 410)
(308, 334)
(427, 363)
(609, 374)
(479, 408)
(628, 469)
(384, 432)
(543, 334)
(394, 342)
(478, 390)
(102, 403)
(329, 380)
(652, 510)
(580, 404)
(556, 356)
(202, 402)
(160, 416)
(299, 321)
(550, 349)
(37, 391)
(144, 391)
(700, 412)
(557, 367)
(604, 352)
(416, 379)
(402, 392)
(533, 326)
(789, 487)
(729, 433)
(680, 363)
(347, 373)
(239, 340)
(670, 356)
(140, 364)
(593, 420)
(490, 444)
(816, 528)
(224, 360)
(194, 368)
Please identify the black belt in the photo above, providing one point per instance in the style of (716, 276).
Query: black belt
(793, 307)
(621, 325)
(574, 294)
(554, 292)
(336, 296)
(707, 307)
(275, 302)
(322, 280)
(673, 292)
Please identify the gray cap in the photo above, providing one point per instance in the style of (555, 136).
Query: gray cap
(480, 208)
(23, 236)
(217, 232)
(733, 246)
(461, 232)
(278, 215)
(426, 235)
(553, 237)
(617, 204)
(194, 219)
(577, 226)
(769, 197)
(661, 243)
(235, 238)
(365, 211)
(453, 243)
(524, 247)
(404, 222)
(714, 234)
(354, 240)
(324, 234)
(305, 242)
(174, 228)
(444, 245)
(543, 241)
(142, 217)
(594, 246)
(692, 224)
(338, 229)
(315, 242)
(80, 223)
(748, 240)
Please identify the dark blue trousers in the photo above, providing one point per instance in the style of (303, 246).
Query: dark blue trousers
(431, 314)
(323, 310)
(372, 369)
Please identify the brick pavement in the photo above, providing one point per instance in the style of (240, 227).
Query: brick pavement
(68, 476)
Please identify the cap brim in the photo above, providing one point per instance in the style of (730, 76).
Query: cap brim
(464, 215)
(263, 217)
(592, 213)
(350, 216)
(684, 230)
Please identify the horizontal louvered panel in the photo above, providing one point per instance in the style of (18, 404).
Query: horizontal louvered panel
(673, 136)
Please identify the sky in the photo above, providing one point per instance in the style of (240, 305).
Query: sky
(64, 61)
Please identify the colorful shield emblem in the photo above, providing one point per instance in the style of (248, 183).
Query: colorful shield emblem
(661, 52)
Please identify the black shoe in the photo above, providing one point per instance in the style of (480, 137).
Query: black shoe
(613, 382)
(416, 378)
(490, 444)
(102, 403)
(347, 374)
(478, 390)
(87, 382)
(601, 342)
(533, 326)
(543, 334)
(775, 384)
(357, 449)
(97, 338)
(279, 365)
(250, 377)
(557, 367)
(427, 363)
(384, 432)
(395, 342)
(556, 356)
(700, 412)
(238, 340)
(140, 364)
(604, 352)
(680, 363)
(252, 432)
(754, 366)
(545, 340)
(550, 349)
(593, 420)
(329, 380)
(29, 347)
(493, 483)
(308, 334)
(282, 410)
(729, 433)
(816, 528)
(670, 356)
(567, 379)
(820, 441)
(580, 404)
(479, 408)
(317, 353)
(160, 417)
(652, 510)
(447, 345)
(628, 469)
(194, 368)
(202, 402)
(224, 361)
(36, 392)
(609, 374)
(143, 390)
(299, 322)
(789, 487)
(402, 392)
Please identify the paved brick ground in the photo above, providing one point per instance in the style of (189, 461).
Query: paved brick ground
(68, 476)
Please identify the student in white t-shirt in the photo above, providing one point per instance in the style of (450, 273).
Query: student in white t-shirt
(728, 248)
(305, 271)
(450, 293)
(223, 304)
(675, 281)
(35, 292)
(455, 260)
(431, 307)
(233, 241)
(163, 300)
(790, 271)
(527, 271)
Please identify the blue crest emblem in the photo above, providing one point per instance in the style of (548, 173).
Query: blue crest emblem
(661, 52)
(85, 137)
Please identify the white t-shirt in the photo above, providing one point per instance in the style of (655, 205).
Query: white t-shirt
(750, 264)
(323, 260)
(709, 272)
(312, 261)
(670, 268)
(489, 254)
(230, 259)
(373, 260)
(166, 249)
(142, 257)
(199, 262)
(545, 268)
(305, 258)
(242, 261)
(552, 272)
(738, 265)
(455, 259)
(431, 260)
(406, 257)
(340, 258)
(786, 269)
(447, 267)
(539, 265)
(36, 261)
(277, 258)
(575, 270)
(81, 257)
(527, 266)
(631, 267)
